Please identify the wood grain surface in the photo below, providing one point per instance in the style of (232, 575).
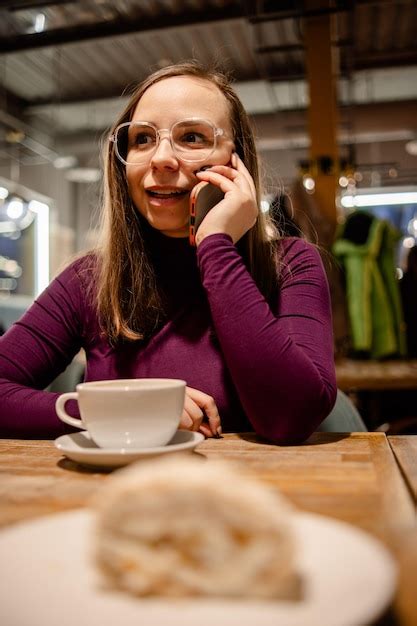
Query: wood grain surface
(405, 451)
(35, 479)
(353, 477)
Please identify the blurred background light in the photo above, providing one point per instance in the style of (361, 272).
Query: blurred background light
(379, 199)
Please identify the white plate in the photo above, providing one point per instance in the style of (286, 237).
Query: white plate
(80, 447)
(48, 578)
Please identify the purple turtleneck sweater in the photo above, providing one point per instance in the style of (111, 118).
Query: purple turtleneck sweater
(269, 367)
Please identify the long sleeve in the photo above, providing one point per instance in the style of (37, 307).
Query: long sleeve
(272, 364)
(33, 352)
(280, 358)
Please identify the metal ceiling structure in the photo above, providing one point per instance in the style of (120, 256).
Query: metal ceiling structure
(64, 64)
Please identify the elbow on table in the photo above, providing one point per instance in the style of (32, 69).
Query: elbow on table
(299, 421)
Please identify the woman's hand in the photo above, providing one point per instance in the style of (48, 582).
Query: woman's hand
(238, 211)
(198, 407)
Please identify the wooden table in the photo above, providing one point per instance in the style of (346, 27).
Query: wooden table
(352, 477)
(405, 451)
(360, 375)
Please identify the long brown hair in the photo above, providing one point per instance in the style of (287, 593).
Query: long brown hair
(128, 300)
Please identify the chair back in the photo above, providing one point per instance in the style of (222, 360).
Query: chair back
(344, 417)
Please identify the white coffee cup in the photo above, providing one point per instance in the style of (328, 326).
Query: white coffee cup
(129, 413)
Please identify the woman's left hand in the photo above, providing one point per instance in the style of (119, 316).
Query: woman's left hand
(200, 413)
(238, 211)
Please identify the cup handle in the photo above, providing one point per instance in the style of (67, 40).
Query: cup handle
(62, 414)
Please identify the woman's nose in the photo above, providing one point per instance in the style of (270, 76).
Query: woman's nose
(164, 156)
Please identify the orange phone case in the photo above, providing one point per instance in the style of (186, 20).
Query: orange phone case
(203, 198)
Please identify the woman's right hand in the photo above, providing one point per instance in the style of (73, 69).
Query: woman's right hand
(200, 413)
(238, 211)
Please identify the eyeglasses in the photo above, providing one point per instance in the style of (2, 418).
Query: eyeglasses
(192, 140)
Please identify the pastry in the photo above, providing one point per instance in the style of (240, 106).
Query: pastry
(184, 527)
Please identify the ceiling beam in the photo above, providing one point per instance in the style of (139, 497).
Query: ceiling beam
(297, 47)
(11, 102)
(289, 9)
(384, 59)
(349, 59)
(86, 31)
(276, 15)
(24, 5)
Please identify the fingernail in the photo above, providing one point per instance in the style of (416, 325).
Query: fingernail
(188, 422)
(219, 431)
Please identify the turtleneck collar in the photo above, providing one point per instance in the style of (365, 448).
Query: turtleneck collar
(173, 258)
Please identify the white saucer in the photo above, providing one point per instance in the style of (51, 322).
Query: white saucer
(50, 578)
(81, 448)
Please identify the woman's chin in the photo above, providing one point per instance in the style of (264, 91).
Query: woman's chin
(169, 228)
(175, 233)
(168, 222)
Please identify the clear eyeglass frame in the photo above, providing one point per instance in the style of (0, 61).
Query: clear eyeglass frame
(217, 132)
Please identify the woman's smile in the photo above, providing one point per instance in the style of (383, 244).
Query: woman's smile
(161, 196)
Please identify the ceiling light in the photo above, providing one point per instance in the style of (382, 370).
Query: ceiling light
(308, 183)
(39, 25)
(15, 209)
(412, 227)
(64, 162)
(411, 147)
(379, 199)
(15, 136)
(409, 242)
(3, 193)
(83, 175)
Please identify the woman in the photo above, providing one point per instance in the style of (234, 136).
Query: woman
(244, 317)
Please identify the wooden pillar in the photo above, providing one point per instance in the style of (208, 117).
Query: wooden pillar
(322, 72)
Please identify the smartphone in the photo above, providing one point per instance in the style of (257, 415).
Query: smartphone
(204, 196)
